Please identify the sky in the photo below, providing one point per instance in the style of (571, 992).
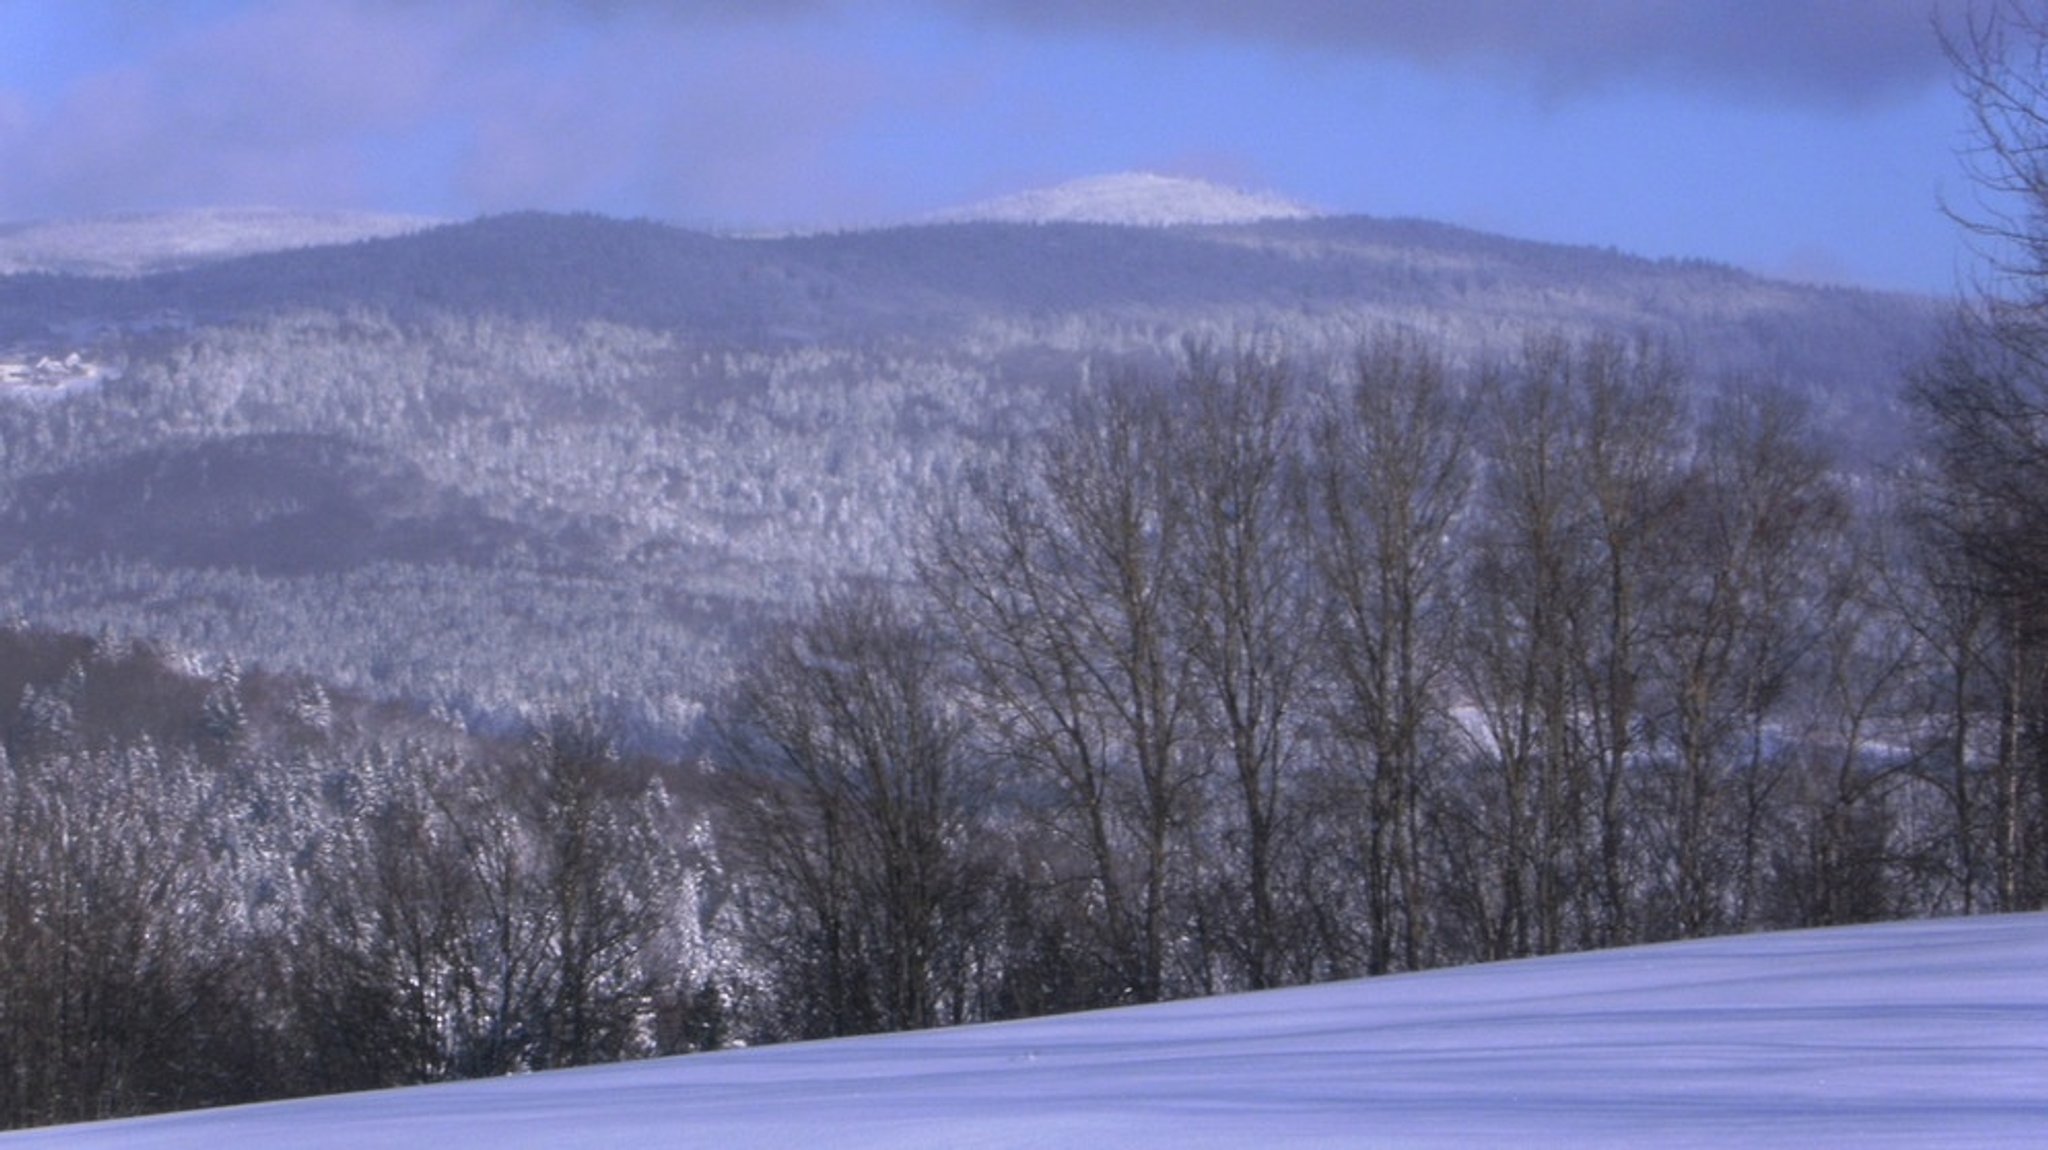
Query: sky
(1814, 139)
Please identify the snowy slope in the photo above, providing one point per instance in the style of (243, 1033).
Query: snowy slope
(140, 243)
(1905, 1034)
(1132, 198)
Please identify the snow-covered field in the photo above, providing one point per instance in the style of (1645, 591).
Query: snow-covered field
(1906, 1034)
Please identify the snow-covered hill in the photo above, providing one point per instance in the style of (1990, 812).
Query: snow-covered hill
(1905, 1034)
(1134, 199)
(140, 243)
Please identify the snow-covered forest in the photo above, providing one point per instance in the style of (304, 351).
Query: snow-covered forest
(534, 461)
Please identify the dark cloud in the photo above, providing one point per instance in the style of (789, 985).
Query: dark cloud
(1842, 51)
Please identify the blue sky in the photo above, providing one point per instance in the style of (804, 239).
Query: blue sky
(1812, 138)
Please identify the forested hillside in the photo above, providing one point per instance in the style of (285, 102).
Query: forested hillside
(556, 459)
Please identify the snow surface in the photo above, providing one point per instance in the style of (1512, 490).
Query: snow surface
(1903, 1034)
(1132, 198)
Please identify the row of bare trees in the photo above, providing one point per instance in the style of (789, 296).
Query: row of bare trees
(1254, 675)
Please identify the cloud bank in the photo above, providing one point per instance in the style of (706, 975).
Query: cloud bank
(1841, 51)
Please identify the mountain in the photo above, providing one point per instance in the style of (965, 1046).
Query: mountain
(140, 243)
(1317, 282)
(1904, 1034)
(1134, 199)
(534, 459)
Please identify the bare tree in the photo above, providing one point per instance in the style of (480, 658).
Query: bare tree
(1836, 832)
(1999, 57)
(1983, 494)
(1391, 476)
(1761, 533)
(1577, 543)
(1632, 456)
(607, 869)
(1982, 404)
(1532, 578)
(1931, 595)
(854, 798)
(1057, 572)
(1246, 611)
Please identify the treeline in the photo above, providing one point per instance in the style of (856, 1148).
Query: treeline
(1257, 674)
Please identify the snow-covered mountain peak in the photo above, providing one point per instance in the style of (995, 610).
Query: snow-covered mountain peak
(141, 242)
(1133, 198)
